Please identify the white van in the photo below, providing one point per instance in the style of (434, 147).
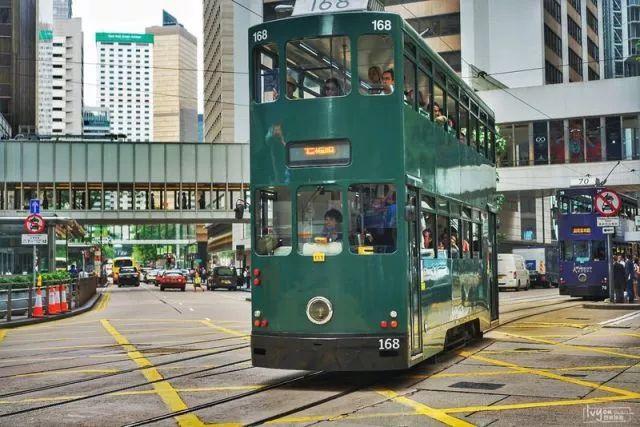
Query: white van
(512, 272)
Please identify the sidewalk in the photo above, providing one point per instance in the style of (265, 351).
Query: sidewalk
(606, 305)
(30, 321)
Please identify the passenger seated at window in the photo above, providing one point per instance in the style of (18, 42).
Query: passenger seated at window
(375, 80)
(388, 81)
(454, 247)
(291, 87)
(440, 118)
(331, 87)
(332, 225)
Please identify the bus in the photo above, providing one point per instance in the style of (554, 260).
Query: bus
(373, 196)
(584, 263)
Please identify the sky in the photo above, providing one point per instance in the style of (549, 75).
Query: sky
(132, 16)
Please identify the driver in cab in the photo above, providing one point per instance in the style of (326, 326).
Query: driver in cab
(332, 226)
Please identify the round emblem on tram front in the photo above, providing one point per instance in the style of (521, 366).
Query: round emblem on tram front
(582, 277)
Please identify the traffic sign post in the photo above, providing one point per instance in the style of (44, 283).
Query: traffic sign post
(608, 230)
(608, 204)
(34, 225)
(34, 206)
(608, 221)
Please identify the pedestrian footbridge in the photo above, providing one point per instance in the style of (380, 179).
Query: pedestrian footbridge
(113, 182)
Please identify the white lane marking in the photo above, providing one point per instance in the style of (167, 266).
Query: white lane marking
(207, 319)
(191, 309)
(621, 319)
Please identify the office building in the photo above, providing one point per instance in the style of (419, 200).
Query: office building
(68, 77)
(125, 83)
(44, 69)
(174, 82)
(62, 9)
(621, 38)
(226, 80)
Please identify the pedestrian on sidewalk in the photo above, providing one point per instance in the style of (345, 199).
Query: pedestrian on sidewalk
(619, 279)
(630, 273)
(636, 276)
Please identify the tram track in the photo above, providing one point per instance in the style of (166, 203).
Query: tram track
(144, 350)
(125, 388)
(123, 372)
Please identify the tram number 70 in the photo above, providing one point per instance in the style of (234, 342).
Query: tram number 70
(389, 344)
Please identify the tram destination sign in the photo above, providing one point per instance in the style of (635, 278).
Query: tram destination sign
(608, 221)
(314, 7)
(319, 153)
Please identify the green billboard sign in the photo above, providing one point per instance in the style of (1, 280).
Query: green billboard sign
(124, 38)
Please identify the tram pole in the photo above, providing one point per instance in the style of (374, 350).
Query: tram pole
(610, 268)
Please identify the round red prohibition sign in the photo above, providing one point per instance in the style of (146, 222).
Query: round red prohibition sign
(608, 203)
(34, 224)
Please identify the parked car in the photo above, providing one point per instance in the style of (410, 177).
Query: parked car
(127, 276)
(512, 272)
(223, 277)
(542, 263)
(172, 279)
(151, 276)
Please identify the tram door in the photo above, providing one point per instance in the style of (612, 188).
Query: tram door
(492, 263)
(414, 271)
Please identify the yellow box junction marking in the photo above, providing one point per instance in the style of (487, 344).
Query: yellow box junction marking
(577, 347)
(167, 393)
(423, 409)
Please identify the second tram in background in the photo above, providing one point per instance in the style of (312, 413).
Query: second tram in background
(583, 245)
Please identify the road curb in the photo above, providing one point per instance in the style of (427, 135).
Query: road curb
(609, 306)
(248, 299)
(24, 322)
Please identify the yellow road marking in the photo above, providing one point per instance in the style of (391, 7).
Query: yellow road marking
(69, 371)
(508, 372)
(548, 374)
(629, 334)
(577, 347)
(210, 324)
(106, 297)
(3, 334)
(571, 402)
(423, 409)
(568, 325)
(163, 388)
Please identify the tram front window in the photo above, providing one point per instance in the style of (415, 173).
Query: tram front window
(273, 222)
(375, 58)
(266, 73)
(373, 218)
(319, 221)
(319, 67)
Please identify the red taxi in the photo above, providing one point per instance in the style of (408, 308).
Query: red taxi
(172, 279)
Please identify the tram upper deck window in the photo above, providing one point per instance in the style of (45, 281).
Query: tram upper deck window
(373, 218)
(375, 64)
(319, 67)
(265, 73)
(577, 204)
(273, 221)
(319, 221)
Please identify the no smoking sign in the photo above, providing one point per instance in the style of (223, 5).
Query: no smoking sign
(608, 203)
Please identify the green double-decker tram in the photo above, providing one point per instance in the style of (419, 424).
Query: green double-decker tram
(372, 185)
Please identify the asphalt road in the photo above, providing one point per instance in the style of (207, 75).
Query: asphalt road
(142, 354)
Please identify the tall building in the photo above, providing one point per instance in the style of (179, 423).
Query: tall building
(44, 69)
(438, 21)
(62, 9)
(226, 79)
(68, 77)
(175, 82)
(621, 38)
(125, 83)
(17, 67)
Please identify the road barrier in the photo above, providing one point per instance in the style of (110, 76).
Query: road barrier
(18, 300)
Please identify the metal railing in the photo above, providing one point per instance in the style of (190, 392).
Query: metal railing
(17, 300)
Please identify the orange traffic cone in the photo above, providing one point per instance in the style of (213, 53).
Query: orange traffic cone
(37, 309)
(64, 306)
(54, 304)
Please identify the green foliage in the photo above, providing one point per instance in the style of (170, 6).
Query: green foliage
(24, 280)
(501, 144)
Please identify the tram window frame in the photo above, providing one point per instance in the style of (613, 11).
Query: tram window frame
(443, 225)
(442, 118)
(424, 108)
(598, 245)
(359, 235)
(427, 227)
(309, 51)
(410, 82)
(491, 148)
(463, 124)
(476, 240)
(455, 223)
(452, 122)
(262, 207)
(259, 76)
(365, 64)
(474, 132)
(426, 64)
(327, 247)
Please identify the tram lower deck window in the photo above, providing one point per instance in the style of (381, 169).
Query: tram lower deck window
(319, 221)
(273, 221)
(372, 218)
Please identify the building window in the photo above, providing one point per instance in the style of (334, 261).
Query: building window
(552, 74)
(528, 218)
(574, 30)
(593, 140)
(437, 25)
(556, 141)
(592, 21)
(521, 139)
(613, 135)
(576, 141)
(576, 5)
(553, 8)
(552, 41)
(540, 143)
(592, 48)
(575, 62)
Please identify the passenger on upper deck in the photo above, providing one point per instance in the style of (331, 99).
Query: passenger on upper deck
(331, 229)
(291, 87)
(331, 87)
(440, 118)
(388, 80)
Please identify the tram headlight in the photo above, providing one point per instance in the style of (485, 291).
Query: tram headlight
(319, 310)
